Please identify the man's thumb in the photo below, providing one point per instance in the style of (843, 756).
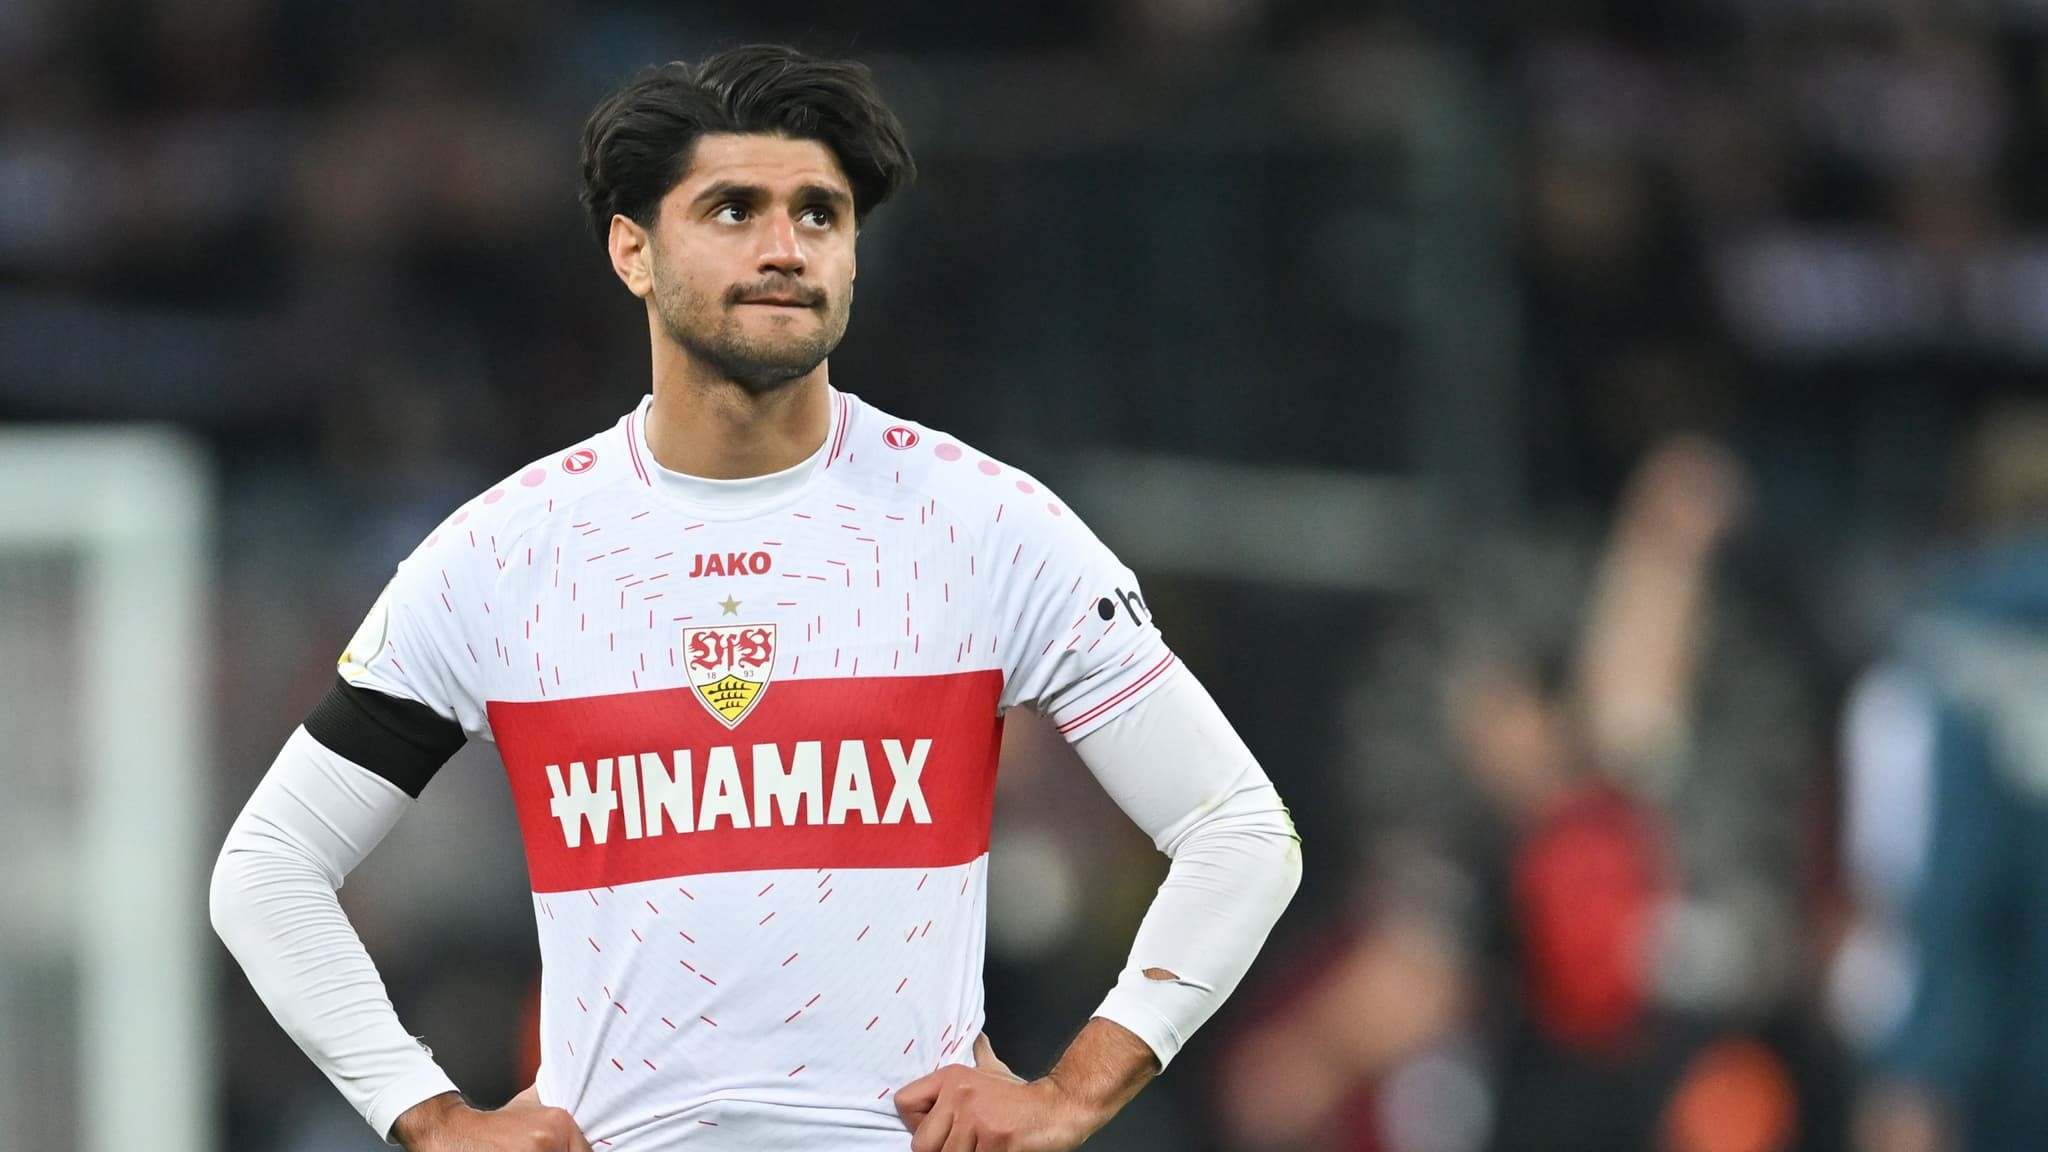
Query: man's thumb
(985, 1058)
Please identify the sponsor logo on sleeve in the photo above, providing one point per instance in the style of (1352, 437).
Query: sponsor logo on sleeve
(581, 460)
(900, 438)
(1131, 603)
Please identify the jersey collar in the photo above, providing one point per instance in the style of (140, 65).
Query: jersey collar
(733, 499)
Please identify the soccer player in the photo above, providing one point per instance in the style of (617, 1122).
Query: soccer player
(745, 656)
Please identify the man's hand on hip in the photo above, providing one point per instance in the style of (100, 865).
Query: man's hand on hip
(988, 1108)
(447, 1124)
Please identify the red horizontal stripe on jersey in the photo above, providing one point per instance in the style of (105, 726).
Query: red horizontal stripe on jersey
(885, 715)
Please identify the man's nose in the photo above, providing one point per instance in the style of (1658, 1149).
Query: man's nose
(781, 251)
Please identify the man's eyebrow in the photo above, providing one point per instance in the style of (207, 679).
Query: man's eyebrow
(826, 193)
(753, 195)
(726, 190)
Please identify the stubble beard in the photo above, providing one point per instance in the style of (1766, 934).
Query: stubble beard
(717, 340)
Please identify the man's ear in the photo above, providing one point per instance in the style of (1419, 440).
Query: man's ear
(632, 252)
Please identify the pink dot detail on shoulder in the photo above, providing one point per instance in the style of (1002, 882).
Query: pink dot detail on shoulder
(459, 517)
(433, 540)
(947, 451)
(534, 476)
(494, 495)
(989, 467)
(1025, 487)
(1054, 509)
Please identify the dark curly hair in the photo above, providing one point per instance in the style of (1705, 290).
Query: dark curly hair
(638, 142)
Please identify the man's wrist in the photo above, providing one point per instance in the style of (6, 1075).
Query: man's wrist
(417, 1124)
(1100, 1072)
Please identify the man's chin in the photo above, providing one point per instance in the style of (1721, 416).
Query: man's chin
(760, 358)
(766, 371)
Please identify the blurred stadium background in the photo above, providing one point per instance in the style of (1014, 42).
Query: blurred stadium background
(1596, 452)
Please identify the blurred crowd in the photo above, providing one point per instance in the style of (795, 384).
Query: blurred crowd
(1694, 797)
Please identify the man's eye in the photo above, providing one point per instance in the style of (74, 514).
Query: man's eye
(730, 214)
(817, 217)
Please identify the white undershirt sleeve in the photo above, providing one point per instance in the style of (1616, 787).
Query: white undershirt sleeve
(310, 822)
(1177, 768)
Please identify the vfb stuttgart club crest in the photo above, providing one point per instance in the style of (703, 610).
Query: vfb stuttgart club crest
(729, 667)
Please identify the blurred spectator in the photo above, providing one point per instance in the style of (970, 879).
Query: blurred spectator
(1585, 877)
(1640, 927)
(1948, 820)
(1690, 705)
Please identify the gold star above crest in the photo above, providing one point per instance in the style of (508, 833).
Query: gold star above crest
(731, 606)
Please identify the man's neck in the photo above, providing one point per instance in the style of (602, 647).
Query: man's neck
(709, 426)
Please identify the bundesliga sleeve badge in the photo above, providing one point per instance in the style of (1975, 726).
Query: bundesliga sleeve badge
(369, 638)
(730, 666)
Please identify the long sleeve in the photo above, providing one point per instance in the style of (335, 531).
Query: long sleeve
(1175, 766)
(273, 901)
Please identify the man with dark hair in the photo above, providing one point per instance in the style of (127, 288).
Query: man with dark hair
(636, 144)
(745, 657)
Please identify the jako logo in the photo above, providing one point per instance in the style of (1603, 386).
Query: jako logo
(900, 437)
(581, 460)
(732, 564)
(651, 799)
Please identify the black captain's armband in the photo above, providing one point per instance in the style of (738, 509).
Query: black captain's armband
(403, 741)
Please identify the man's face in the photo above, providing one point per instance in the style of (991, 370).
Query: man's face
(752, 258)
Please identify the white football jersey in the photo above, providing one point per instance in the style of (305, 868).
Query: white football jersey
(751, 731)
